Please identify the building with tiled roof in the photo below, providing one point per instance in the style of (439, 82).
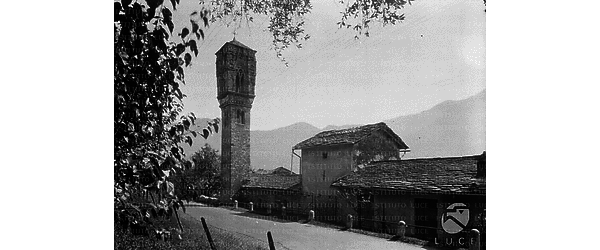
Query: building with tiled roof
(350, 136)
(455, 175)
(281, 181)
(421, 192)
(278, 187)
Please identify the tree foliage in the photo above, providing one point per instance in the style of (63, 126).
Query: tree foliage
(202, 176)
(286, 18)
(359, 14)
(148, 127)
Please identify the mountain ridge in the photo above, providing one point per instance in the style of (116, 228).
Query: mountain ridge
(450, 128)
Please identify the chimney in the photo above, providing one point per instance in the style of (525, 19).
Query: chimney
(481, 166)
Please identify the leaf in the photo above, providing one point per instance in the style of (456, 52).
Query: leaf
(184, 32)
(194, 133)
(194, 26)
(205, 133)
(150, 14)
(170, 187)
(187, 58)
(174, 150)
(126, 2)
(216, 128)
(167, 13)
(153, 3)
(117, 8)
(174, 4)
(169, 23)
(189, 140)
(187, 124)
(194, 13)
(173, 63)
(193, 47)
(201, 34)
(180, 71)
(179, 49)
(182, 206)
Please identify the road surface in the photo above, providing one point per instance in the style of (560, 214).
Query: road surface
(293, 235)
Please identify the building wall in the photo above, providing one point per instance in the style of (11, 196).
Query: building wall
(403, 206)
(263, 197)
(318, 172)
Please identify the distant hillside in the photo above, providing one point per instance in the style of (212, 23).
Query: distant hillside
(451, 128)
(273, 148)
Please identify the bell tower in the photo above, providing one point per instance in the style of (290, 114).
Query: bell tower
(236, 74)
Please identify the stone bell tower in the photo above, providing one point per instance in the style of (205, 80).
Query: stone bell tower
(236, 74)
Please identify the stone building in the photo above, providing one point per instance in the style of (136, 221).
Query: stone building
(332, 154)
(439, 198)
(329, 155)
(236, 75)
(278, 188)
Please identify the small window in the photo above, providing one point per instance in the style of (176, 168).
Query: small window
(324, 155)
(243, 116)
(238, 83)
(323, 175)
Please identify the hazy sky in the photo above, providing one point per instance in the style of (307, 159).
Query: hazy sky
(336, 80)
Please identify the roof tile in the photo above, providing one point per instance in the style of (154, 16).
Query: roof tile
(436, 175)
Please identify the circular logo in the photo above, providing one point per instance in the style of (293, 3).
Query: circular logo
(455, 218)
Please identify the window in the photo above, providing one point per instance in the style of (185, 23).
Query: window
(238, 84)
(241, 116)
(323, 175)
(242, 83)
(324, 155)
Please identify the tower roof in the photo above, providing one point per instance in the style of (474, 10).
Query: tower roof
(236, 43)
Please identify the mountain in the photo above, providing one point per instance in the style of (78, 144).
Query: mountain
(273, 148)
(451, 128)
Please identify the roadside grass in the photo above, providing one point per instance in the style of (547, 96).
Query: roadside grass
(192, 237)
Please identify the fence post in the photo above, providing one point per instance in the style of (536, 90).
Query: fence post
(251, 207)
(401, 229)
(283, 211)
(475, 244)
(349, 221)
(235, 204)
(311, 215)
(210, 240)
(271, 243)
